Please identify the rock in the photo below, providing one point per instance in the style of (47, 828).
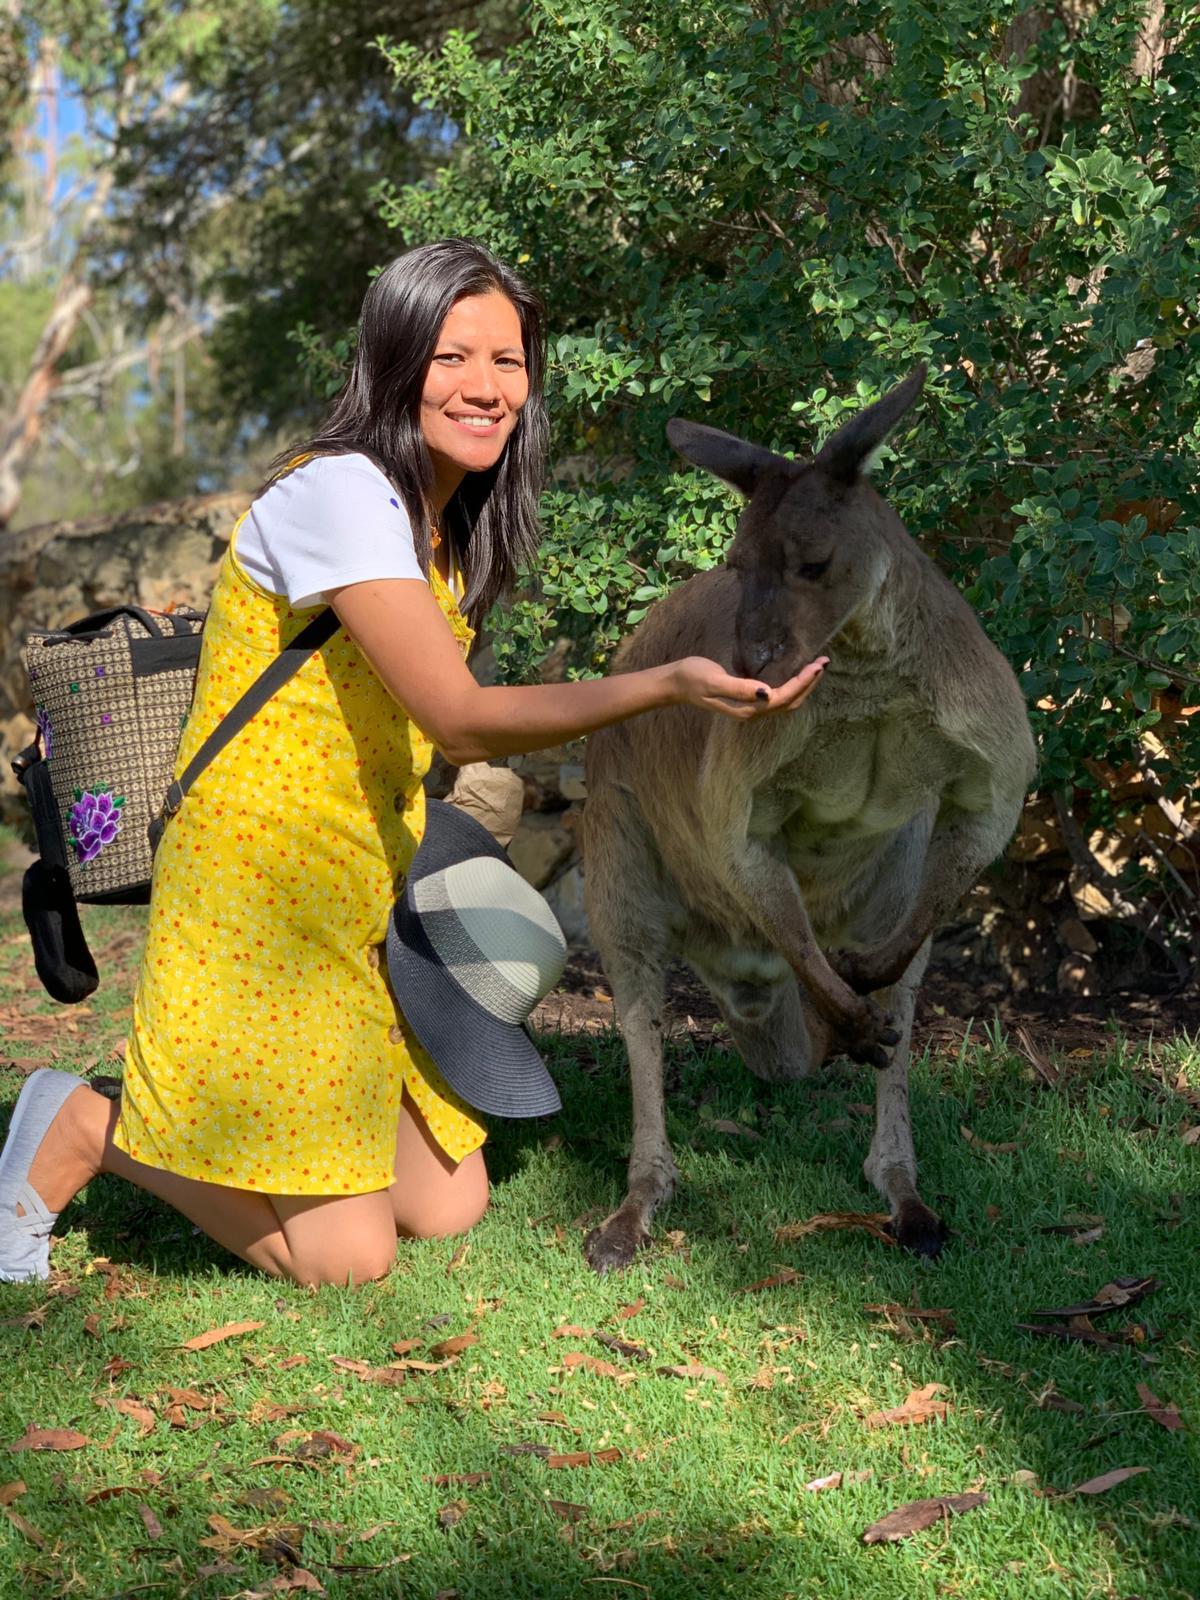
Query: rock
(542, 847)
(1076, 937)
(1076, 975)
(571, 784)
(565, 898)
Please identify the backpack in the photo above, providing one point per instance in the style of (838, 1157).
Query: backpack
(111, 695)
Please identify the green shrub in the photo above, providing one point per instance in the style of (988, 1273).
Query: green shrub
(764, 221)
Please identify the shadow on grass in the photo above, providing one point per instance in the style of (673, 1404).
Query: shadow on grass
(704, 1513)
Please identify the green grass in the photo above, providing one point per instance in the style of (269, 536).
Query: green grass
(708, 1495)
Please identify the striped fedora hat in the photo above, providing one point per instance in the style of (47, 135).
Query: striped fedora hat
(471, 949)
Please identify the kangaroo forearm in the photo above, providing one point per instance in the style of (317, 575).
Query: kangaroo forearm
(956, 856)
(770, 899)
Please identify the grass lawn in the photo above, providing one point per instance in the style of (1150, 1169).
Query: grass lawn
(275, 1461)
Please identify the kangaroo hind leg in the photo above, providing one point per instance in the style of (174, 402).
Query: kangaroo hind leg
(629, 909)
(891, 1163)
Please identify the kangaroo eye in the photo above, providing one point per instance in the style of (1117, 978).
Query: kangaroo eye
(814, 569)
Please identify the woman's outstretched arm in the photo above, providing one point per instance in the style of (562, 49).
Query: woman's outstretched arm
(399, 627)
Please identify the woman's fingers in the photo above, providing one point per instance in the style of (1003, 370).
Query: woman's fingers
(748, 697)
(796, 690)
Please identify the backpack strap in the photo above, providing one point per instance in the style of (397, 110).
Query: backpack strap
(285, 665)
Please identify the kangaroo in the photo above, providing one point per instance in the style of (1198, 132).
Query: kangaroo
(800, 863)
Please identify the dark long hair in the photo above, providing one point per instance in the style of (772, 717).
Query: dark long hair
(491, 519)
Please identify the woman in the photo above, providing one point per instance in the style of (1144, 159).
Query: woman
(269, 1093)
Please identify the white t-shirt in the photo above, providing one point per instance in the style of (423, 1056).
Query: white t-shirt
(334, 520)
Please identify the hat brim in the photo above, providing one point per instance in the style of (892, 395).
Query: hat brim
(451, 834)
(489, 1063)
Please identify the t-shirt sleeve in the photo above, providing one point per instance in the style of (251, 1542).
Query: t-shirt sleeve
(335, 520)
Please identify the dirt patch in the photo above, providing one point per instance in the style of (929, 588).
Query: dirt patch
(946, 1007)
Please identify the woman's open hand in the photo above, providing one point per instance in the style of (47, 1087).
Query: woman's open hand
(701, 682)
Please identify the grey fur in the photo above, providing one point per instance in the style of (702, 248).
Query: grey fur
(800, 862)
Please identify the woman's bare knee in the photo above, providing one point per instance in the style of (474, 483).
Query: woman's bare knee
(449, 1206)
(343, 1240)
(346, 1272)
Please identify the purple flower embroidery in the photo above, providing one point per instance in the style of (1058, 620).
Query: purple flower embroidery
(42, 718)
(94, 821)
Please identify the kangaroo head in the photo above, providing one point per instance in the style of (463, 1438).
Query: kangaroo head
(811, 548)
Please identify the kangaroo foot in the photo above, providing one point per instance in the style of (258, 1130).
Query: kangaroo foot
(867, 1036)
(612, 1246)
(918, 1229)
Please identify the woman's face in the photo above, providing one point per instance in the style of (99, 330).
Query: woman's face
(474, 389)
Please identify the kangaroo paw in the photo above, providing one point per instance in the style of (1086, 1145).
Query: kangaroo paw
(918, 1229)
(612, 1246)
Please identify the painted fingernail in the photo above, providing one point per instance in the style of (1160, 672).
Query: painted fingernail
(762, 694)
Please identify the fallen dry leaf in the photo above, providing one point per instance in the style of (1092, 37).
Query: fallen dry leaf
(454, 1346)
(298, 1578)
(1112, 1297)
(98, 1496)
(1080, 1328)
(1107, 1480)
(1081, 1224)
(919, 1514)
(1164, 1414)
(50, 1439)
(12, 1491)
(570, 1330)
(601, 1369)
(459, 1256)
(623, 1313)
(839, 1480)
(1087, 1236)
(455, 1480)
(153, 1526)
(723, 1125)
(585, 1458)
(302, 1361)
(632, 1352)
(396, 1372)
(892, 1308)
(278, 1543)
(922, 1405)
(693, 1372)
(1007, 1148)
(1038, 1060)
(567, 1510)
(451, 1513)
(872, 1222)
(783, 1276)
(141, 1414)
(231, 1330)
(265, 1499)
(24, 1526)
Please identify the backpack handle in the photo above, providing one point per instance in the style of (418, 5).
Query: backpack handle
(151, 621)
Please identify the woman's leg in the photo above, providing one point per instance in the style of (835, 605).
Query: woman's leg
(311, 1239)
(433, 1195)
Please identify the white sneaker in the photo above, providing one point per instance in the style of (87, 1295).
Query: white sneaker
(25, 1241)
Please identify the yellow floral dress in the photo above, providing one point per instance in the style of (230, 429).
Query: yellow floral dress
(266, 1051)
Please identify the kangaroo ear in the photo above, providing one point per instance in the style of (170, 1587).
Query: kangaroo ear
(723, 455)
(843, 455)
